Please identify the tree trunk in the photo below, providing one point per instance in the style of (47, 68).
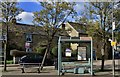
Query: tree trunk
(5, 48)
(103, 58)
(45, 55)
(5, 56)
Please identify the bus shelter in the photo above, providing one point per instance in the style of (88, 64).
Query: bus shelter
(74, 40)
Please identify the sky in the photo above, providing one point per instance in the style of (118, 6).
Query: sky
(30, 7)
(27, 14)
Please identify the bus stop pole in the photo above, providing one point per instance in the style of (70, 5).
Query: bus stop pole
(113, 61)
(59, 56)
(91, 57)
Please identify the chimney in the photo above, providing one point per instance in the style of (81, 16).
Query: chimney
(63, 26)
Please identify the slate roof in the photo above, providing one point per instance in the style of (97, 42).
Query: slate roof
(26, 28)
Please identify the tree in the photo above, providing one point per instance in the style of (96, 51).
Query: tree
(117, 20)
(51, 17)
(9, 12)
(98, 16)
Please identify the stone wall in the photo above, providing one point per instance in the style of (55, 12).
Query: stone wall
(19, 41)
(17, 37)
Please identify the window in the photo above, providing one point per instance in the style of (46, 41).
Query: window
(28, 37)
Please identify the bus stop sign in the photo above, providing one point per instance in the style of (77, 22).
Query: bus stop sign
(113, 43)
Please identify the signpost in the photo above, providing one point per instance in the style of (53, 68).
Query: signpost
(113, 28)
(113, 43)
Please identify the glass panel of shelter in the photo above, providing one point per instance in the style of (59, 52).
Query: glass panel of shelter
(83, 51)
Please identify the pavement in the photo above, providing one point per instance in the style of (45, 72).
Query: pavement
(13, 70)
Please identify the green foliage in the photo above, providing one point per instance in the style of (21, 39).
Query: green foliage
(9, 61)
(74, 53)
(12, 11)
(117, 20)
(8, 15)
(117, 34)
(41, 50)
(53, 15)
(55, 51)
(116, 16)
(63, 48)
(98, 17)
(103, 25)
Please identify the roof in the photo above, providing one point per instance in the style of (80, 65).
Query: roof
(39, 30)
(24, 24)
(26, 28)
(78, 27)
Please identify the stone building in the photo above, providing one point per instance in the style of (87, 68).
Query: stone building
(18, 35)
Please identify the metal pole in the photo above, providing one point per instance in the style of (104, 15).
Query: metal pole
(113, 61)
(91, 57)
(59, 56)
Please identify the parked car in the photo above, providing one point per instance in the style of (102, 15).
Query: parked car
(117, 55)
(118, 48)
(117, 52)
(35, 58)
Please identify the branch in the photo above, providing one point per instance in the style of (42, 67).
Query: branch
(95, 5)
(56, 14)
(65, 18)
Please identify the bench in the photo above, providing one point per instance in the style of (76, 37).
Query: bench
(29, 65)
(76, 67)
